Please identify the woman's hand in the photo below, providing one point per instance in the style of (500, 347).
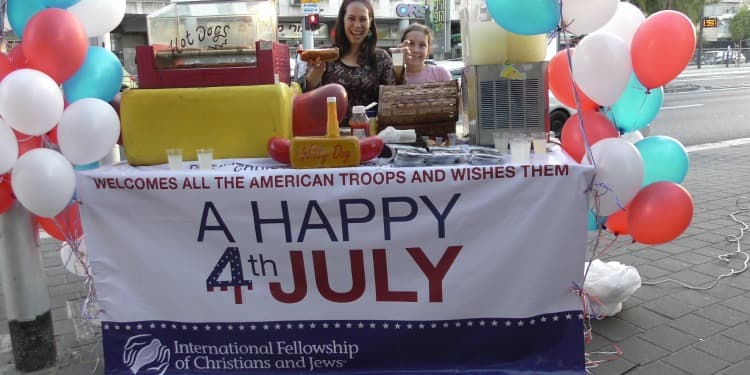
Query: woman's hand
(315, 71)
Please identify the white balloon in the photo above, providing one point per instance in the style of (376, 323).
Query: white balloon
(601, 67)
(8, 147)
(30, 101)
(619, 173)
(88, 130)
(585, 16)
(99, 16)
(625, 22)
(633, 136)
(43, 181)
(75, 264)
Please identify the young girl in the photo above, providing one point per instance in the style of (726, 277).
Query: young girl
(417, 39)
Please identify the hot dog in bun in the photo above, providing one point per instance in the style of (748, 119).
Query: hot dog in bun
(324, 54)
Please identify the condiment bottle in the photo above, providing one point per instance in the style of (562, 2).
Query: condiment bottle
(359, 120)
(332, 125)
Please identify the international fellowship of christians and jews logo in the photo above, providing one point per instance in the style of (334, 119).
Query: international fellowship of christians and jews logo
(150, 356)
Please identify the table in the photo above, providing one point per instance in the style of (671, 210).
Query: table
(253, 269)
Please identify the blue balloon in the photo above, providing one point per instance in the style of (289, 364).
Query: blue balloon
(636, 107)
(100, 77)
(527, 17)
(20, 12)
(86, 167)
(664, 159)
(593, 222)
(62, 4)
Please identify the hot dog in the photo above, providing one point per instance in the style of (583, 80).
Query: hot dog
(324, 54)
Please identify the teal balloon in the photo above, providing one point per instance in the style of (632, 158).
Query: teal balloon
(637, 106)
(664, 159)
(593, 225)
(100, 77)
(86, 167)
(62, 4)
(525, 17)
(20, 12)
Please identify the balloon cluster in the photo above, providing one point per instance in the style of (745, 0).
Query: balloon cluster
(614, 76)
(55, 114)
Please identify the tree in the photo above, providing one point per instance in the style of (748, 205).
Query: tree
(691, 8)
(739, 27)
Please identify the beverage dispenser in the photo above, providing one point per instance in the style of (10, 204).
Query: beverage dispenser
(504, 82)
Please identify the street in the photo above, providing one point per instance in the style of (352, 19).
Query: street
(705, 106)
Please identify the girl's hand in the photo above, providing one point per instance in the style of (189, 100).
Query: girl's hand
(405, 47)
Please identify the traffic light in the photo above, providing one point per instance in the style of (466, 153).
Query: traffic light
(312, 21)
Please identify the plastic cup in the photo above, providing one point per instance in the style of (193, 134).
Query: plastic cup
(174, 158)
(205, 157)
(520, 149)
(397, 55)
(539, 142)
(501, 139)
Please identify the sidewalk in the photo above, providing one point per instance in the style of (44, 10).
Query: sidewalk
(664, 329)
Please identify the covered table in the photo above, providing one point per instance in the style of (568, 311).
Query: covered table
(250, 268)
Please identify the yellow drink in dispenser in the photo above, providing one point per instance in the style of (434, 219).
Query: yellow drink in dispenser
(526, 48)
(487, 43)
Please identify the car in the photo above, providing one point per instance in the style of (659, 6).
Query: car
(559, 113)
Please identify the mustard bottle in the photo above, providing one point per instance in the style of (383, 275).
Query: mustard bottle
(332, 126)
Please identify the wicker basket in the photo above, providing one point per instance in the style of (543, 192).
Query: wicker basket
(429, 108)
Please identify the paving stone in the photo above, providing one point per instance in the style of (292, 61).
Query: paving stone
(693, 278)
(740, 333)
(696, 362)
(696, 298)
(614, 329)
(740, 303)
(670, 307)
(723, 315)
(671, 264)
(669, 338)
(742, 368)
(657, 368)
(642, 317)
(724, 348)
(641, 352)
(697, 326)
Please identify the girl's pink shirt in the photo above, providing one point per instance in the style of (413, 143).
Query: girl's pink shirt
(430, 73)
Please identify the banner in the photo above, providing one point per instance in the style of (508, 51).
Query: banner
(248, 269)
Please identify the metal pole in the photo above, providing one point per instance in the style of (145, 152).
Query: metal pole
(700, 34)
(25, 291)
(307, 36)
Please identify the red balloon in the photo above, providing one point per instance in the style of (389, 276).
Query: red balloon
(66, 225)
(659, 213)
(5, 65)
(561, 83)
(617, 223)
(55, 42)
(52, 136)
(27, 142)
(597, 127)
(17, 58)
(6, 193)
(662, 47)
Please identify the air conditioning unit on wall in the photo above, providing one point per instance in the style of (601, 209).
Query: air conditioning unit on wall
(513, 97)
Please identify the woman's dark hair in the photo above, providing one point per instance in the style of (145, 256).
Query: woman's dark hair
(367, 50)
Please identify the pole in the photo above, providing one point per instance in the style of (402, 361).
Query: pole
(307, 36)
(700, 34)
(25, 291)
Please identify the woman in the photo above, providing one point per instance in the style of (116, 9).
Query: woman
(417, 39)
(361, 67)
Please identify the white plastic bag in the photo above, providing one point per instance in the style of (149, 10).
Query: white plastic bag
(611, 283)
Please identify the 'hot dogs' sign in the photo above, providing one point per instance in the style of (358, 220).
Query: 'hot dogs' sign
(244, 270)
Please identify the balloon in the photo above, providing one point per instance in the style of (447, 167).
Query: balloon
(596, 126)
(64, 226)
(637, 106)
(55, 43)
(100, 77)
(76, 264)
(617, 223)
(20, 12)
(662, 47)
(43, 181)
(5, 65)
(62, 4)
(619, 174)
(99, 17)
(601, 67)
(561, 83)
(88, 130)
(27, 142)
(595, 224)
(8, 147)
(30, 101)
(659, 213)
(664, 159)
(584, 16)
(17, 58)
(625, 22)
(633, 136)
(529, 17)
(7, 199)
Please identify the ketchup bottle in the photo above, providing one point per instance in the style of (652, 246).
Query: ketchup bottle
(359, 121)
